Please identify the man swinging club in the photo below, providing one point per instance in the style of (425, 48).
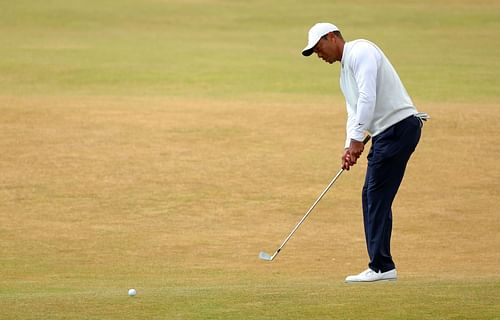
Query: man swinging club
(377, 103)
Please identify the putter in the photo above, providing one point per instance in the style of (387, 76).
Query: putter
(266, 256)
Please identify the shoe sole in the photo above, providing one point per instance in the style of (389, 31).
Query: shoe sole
(379, 280)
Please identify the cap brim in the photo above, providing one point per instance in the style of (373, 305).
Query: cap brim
(309, 49)
(307, 52)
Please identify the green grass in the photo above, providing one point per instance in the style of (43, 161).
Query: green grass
(241, 297)
(444, 50)
(162, 144)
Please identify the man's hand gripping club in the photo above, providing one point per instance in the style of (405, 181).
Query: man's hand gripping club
(352, 154)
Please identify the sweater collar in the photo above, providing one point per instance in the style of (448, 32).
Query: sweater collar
(345, 52)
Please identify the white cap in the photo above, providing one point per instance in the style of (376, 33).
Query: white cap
(315, 33)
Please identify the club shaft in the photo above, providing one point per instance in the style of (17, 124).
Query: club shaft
(310, 209)
(270, 258)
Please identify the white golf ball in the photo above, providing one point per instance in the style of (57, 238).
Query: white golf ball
(132, 292)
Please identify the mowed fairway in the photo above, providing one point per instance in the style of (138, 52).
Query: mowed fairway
(160, 145)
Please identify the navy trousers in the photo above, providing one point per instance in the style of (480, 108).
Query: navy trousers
(387, 159)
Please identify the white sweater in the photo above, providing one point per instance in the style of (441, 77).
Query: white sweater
(375, 96)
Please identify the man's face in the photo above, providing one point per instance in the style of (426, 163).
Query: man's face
(327, 49)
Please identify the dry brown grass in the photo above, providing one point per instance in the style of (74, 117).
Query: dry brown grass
(155, 188)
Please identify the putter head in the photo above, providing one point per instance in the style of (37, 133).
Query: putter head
(265, 256)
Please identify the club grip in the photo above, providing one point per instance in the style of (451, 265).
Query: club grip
(367, 138)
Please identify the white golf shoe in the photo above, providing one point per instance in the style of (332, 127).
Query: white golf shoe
(370, 276)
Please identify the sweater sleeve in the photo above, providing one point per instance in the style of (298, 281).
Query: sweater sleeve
(364, 64)
(351, 118)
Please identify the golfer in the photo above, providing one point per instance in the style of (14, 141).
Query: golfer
(378, 104)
